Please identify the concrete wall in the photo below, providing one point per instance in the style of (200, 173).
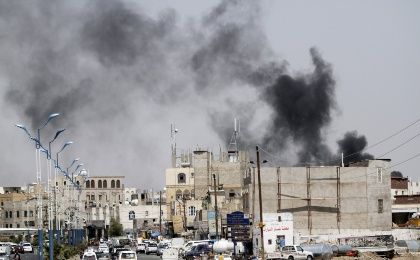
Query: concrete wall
(328, 200)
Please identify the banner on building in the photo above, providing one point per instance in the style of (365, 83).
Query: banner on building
(211, 220)
(178, 224)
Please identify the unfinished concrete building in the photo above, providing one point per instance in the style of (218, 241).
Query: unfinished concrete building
(330, 200)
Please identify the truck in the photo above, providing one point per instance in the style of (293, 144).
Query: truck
(291, 253)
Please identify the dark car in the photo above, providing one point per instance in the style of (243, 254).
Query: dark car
(198, 250)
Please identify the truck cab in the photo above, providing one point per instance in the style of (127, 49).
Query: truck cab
(295, 252)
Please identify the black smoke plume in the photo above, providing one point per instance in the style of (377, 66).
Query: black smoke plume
(352, 146)
(302, 108)
(396, 174)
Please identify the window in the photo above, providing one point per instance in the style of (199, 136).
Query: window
(17, 214)
(191, 211)
(104, 184)
(186, 194)
(192, 175)
(380, 205)
(181, 178)
(396, 192)
(92, 184)
(99, 184)
(118, 184)
(10, 214)
(178, 194)
(379, 174)
(25, 214)
(31, 213)
(402, 192)
(279, 218)
(92, 197)
(78, 183)
(7, 214)
(112, 184)
(18, 225)
(65, 183)
(231, 194)
(100, 197)
(87, 184)
(270, 241)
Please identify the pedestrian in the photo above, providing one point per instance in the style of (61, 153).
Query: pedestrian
(17, 256)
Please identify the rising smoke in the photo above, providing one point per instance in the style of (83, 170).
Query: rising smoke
(119, 77)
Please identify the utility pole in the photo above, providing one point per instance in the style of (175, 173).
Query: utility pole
(261, 224)
(215, 206)
(160, 212)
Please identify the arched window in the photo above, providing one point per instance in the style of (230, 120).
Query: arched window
(191, 211)
(181, 178)
(65, 183)
(10, 214)
(186, 194)
(78, 183)
(112, 184)
(178, 194)
(104, 184)
(7, 214)
(87, 184)
(92, 184)
(118, 184)
(99, 184)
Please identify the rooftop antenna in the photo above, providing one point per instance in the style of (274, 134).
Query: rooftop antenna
(174, 131)
(233, 144)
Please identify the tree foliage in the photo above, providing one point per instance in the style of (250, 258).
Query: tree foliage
(115, 228)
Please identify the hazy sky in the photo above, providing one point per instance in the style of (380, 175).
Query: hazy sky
(120, 72)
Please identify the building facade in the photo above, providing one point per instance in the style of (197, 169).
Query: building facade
(328, 200)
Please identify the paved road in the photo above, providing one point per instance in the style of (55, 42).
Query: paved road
(148, 257)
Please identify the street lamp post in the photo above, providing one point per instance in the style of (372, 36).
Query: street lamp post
(216, 213)
(38, 147)
(57, 167)
(261, 224)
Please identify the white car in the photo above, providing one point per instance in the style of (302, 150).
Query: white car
(151, 248)
(127, 255)
(89, 255)
(103, 248)
(141, 248)
(27, 247)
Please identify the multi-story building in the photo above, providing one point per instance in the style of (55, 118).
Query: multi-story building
(329, 201)
(399, 185)
(191, 182)
(102, 197)
(141, 214)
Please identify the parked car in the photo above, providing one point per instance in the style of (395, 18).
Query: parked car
(127, 255)
(27, 247)
(151, 248)
(141, 248)
(197, 250)
(4, 252)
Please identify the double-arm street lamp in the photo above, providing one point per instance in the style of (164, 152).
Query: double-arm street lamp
(39, 148)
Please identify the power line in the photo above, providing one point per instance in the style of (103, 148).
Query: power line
(397, 147)
(365, 149)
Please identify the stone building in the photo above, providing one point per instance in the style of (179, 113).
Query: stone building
(190, 186)
(330, 200)
(102, 197)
